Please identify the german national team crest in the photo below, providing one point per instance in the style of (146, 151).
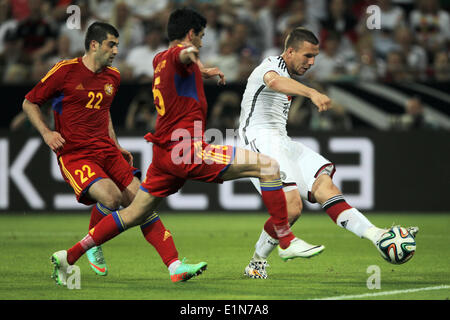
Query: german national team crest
(109, 89)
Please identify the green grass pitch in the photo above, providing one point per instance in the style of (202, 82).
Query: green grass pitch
(225, 241)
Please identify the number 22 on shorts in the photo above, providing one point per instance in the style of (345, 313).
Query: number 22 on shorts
(85, 173)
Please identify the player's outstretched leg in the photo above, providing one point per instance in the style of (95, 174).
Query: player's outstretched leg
(344, 215)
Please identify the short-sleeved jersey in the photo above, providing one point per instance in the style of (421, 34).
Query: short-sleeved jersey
(179, 97)
(262, 107)
(81, 102)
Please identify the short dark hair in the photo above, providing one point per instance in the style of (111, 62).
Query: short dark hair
(182, 20)
(99, 31)
(298, 35)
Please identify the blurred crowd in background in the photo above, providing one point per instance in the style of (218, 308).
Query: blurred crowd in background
(412, 43)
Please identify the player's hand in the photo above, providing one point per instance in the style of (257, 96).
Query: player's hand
(322, 101)
(54, 140)
(221, 80)
(127, 155)
(212, 72)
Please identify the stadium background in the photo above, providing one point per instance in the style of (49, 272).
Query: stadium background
(388, 132)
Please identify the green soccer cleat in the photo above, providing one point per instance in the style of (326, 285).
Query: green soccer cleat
(97, 260)
(60, 267)
(186, 271)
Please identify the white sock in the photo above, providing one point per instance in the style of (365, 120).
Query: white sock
(174, 265)
(373, 234)
(264, 246)
(354, 221)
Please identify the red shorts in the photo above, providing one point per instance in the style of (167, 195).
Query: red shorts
(82, 168)
(186, 160)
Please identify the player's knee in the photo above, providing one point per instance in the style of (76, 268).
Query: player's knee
(107, 193)
(324, 188)
(270, 168)
(112, 200)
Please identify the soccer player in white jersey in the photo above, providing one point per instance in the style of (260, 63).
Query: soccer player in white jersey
(305, 173)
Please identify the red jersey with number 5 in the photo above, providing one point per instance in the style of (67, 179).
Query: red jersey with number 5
(179, 97)
(81, 103)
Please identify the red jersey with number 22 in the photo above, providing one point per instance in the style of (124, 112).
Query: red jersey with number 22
(179, 97)
(81, 103)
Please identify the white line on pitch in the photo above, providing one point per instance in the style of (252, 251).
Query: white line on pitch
(384, 293)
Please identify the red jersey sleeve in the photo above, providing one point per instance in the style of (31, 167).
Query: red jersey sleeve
(49, 85)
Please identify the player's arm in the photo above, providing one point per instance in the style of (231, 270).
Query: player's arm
(52, 138)
(208, 73)
(190, 55)
(294, 88)
(112, 134)
(47, 88)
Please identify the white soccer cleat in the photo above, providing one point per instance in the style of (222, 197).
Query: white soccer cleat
(299, 249)
(60, 267)
(256, 269)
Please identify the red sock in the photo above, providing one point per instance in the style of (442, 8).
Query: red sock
(74, 253)
(106, 229)
(275, 201)
(159, 237)
(335, 205)
(268, 227)
(98, 212)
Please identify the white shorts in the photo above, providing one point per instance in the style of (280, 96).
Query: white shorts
(300, 166)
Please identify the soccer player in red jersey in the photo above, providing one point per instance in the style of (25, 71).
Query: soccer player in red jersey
(90, 158)
(179, 151)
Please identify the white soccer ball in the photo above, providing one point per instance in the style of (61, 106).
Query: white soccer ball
(397, 245)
